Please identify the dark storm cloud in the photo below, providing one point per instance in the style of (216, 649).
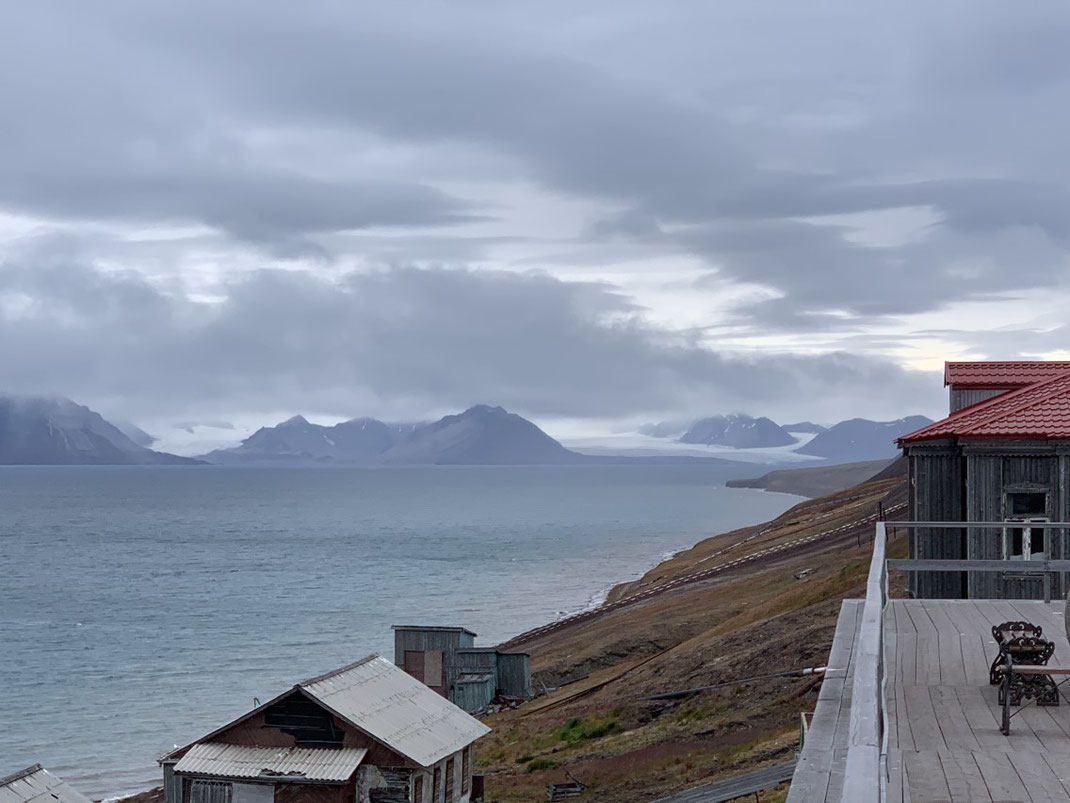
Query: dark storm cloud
(400, 340)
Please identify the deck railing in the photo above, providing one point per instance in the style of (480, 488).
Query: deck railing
(1046, 567)
(866, 746)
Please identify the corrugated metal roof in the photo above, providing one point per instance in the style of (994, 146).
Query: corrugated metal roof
(39, 785)
(1039, 411)
(239, 761)
(395, 709)
(1010, 375)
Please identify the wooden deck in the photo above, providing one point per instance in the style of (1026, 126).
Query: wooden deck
(944, 742)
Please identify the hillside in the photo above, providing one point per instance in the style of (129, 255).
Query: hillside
(752, 602)
(815, 480)
(56, 431)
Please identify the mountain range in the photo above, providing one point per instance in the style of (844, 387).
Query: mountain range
(861, 439)
(848, 441)
(738, 431)
(481, 435)
(56, 431)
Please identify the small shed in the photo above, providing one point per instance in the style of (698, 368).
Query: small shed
(37, 785)
(365, 733)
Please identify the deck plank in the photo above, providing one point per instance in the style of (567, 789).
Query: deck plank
(1001, 778)
(923, 723)
(982, 719)
(895, 776)
(925, 777)
(954, 727)
(964, 780)
(1043, 784)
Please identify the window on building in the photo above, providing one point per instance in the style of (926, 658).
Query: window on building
(418, 789)
(210, 792)
(466, 771)
(436, 790)
(1022, 542)
(449, 781)
(1027, 504)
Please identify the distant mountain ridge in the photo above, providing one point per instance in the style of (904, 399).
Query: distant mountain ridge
(738, 431)
(862, 439)
(805, 426)
(55, 431)
(481, 435)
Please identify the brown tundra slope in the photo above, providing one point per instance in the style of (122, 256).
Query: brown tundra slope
(752, 602)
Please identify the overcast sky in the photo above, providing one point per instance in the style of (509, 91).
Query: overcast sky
(590, 213)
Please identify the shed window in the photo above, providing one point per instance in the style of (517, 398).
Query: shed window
(466, 771)
(449, 781)
(418, 789)
(210, 792)
(437, 784)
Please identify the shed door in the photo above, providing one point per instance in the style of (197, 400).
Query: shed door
(433, 671)
(414, 664)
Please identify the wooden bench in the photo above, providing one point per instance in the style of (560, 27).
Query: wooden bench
(1024, 681)
(1004, 633)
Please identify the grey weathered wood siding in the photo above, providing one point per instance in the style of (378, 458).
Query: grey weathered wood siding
(994, 469)
(936, 494)
(965, 397)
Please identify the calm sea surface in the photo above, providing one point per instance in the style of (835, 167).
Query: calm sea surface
(142, 607)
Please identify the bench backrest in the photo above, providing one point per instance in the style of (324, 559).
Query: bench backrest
(1008, 630)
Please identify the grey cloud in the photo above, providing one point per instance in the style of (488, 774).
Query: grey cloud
(716, 131)
(406, 341)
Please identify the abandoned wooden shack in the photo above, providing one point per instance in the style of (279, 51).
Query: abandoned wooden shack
(1002, 455)
(365, 733)
(37, 785)
(447, 660)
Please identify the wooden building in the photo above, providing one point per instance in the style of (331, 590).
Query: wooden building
(365, 733)
(1002, 456)
(37, 785)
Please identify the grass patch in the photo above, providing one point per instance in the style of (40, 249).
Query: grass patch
(541, 764)
(578, 729)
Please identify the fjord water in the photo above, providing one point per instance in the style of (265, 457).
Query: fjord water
(142, 607)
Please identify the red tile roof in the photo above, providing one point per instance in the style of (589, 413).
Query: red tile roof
(1039, 411)
(1007, 375)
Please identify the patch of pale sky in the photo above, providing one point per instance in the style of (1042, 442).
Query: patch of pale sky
(888, 228)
